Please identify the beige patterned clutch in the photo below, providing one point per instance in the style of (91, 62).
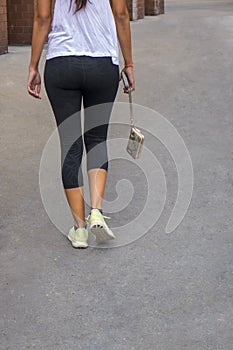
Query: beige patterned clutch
(136, 138)
(135, 142)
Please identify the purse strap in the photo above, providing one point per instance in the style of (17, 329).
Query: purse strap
(131, 108)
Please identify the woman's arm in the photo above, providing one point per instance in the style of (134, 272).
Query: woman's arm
(121, 16)
(41, 28)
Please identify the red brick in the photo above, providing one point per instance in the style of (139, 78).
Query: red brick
(3, 10)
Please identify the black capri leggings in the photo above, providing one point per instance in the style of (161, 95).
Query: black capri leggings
(69, 81)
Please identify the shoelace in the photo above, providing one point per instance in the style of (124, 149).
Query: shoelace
(104, 216)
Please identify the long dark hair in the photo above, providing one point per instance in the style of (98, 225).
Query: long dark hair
(79, 4)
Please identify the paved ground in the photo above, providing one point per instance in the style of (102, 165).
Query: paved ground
(164, 291)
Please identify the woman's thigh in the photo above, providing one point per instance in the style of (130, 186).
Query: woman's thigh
(63, 91)
(101, 80)
(65, 96)
(100, 90)
(101, 85)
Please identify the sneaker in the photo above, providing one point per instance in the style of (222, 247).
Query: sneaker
(98, 226)
(78, 237)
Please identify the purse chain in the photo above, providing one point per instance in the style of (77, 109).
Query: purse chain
(131, 108)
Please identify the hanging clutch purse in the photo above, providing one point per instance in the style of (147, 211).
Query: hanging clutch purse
(136, 138)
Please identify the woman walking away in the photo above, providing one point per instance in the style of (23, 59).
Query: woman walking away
(82, 65)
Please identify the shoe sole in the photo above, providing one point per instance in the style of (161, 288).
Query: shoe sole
(100, 233)
(78, 244)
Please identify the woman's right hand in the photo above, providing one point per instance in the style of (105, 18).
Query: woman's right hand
(130, 75)
(34, 83)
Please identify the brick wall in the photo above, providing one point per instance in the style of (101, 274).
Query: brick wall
(154, 7)
(3, 27)
(20, 20)
(136, 9)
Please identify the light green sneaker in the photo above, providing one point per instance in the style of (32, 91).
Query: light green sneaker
(78, 237)
(98, 226)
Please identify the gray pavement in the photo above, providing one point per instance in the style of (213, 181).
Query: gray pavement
(163, 291)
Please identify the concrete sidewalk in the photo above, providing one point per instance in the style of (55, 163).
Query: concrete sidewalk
(163, 291)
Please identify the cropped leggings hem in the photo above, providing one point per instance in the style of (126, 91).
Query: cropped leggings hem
(69, 82)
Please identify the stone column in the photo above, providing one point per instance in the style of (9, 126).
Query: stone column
(154, 7)
(136, 9)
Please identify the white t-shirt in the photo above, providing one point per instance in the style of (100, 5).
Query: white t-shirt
(91, 31)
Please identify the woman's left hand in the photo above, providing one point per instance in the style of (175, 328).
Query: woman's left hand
(130, 77)
(34, 83)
